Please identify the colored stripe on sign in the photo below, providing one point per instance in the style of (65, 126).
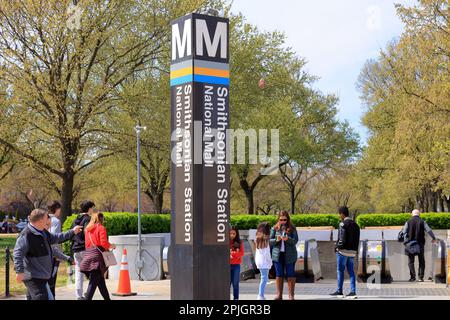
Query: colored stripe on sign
(212, 72)
(180, 72)
(180, 80)
(211, 80)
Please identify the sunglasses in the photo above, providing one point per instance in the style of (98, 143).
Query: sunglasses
(283, 220)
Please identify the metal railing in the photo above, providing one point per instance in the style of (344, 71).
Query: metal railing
(8, 258)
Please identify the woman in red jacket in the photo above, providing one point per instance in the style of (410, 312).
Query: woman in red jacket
(93, 265)
(236, 253)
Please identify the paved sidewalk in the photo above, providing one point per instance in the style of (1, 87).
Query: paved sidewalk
(160, 290)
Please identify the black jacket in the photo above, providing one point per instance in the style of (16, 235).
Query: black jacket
(415, 229)
(78, 243)
(348, 237)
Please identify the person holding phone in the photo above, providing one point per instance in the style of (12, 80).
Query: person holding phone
(236, 254)
(283, 240)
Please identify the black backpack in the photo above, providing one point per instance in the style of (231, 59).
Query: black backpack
(401, 236)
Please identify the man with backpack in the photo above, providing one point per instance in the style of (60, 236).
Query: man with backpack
(78, 245)
(414, 240)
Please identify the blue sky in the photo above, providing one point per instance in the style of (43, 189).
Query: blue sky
(336, 37)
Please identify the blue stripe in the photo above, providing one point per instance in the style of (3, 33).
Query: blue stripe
(211, 79)
(181, 80)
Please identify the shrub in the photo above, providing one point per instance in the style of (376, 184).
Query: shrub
(118, 223)
(126, 223)
(434, 220)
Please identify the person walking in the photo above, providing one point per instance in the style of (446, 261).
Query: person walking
(93, 265)
(78, 246)
(236, 254)
(414, 240)
(283, 240)
(54, 209)
(346, 250)
(33, 257)
(263, 258)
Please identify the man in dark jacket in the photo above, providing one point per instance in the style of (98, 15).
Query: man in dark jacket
(414, 230)
(346, 250)
(33, 257)
(78, 244)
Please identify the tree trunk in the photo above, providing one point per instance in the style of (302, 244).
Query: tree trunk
(158, 203)
(157, 199)
(67, 196)
(250, 201)
(447, 201)
(292, 191)
(434, 201)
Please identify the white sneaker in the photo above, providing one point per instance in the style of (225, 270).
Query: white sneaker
(260, 298)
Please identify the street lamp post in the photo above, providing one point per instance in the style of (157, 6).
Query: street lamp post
(139, 263)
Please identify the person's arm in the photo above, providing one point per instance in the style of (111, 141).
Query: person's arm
(55, 238)
(341, 236)
(20, 251)
(405, 233)
(292, 237)
(103, 237)
(58, 254)
(428, 230)
(273, 238)
(241, 250)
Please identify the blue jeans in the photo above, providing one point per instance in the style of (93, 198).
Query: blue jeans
(281, 266)
(342, 263)
(235, 271)
(263, 282)
(49, 292)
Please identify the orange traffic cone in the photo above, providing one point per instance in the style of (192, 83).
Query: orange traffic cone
(124, 278)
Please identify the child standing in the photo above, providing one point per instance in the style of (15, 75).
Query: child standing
(263, 258)
(236, 254)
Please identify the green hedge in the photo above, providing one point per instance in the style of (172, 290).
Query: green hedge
(118, 223)
(126, 223)
(434, 220)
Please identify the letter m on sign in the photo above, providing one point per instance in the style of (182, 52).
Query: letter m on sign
(181, 40)
(212, 45)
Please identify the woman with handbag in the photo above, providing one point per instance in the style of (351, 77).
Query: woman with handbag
(93, 264)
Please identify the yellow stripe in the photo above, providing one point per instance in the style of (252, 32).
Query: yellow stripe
(180, 72)
(212, 72)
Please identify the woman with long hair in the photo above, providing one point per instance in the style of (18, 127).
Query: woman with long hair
(236, 254)
(263, 258)
(93, 265)
(283, 240)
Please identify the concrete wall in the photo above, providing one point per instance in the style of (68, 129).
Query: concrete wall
(152, 246)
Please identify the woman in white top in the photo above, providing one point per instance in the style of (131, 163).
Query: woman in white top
(263, 258)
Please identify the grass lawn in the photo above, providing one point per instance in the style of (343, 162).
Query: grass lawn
(18, 288)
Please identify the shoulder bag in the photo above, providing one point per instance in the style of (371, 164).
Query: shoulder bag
(108, 256)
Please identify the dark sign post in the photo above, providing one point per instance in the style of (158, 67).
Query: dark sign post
(199, 84)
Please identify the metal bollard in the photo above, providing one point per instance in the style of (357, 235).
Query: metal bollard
(7, 257)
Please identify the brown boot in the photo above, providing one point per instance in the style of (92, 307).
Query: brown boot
(279, 283)
(291, 288)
